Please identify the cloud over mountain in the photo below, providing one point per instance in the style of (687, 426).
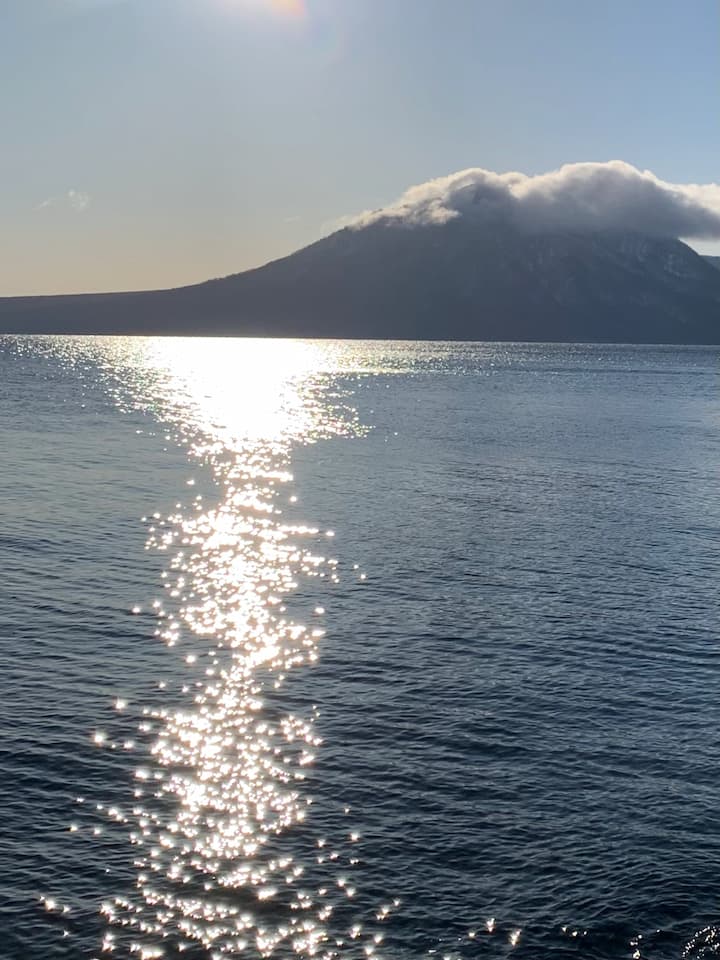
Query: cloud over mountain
(579, 196)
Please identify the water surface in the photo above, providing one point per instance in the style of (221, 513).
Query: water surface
(414, 652)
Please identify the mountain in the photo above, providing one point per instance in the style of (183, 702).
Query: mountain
(456, 280)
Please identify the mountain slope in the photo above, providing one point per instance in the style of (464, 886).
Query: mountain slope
(451, 281)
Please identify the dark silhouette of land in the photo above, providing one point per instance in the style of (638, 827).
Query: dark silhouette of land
(456, 280)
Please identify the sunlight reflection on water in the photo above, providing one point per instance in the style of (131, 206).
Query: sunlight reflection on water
(223, 787)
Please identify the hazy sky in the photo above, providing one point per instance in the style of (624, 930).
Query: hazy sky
(157, 142)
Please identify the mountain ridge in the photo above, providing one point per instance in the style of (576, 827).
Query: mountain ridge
(455, 280)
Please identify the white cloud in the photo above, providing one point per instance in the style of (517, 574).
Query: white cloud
(578, 196)
(76, 200)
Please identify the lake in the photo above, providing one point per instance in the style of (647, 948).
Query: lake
(359, 649)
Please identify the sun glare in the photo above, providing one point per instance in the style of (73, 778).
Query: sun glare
(282, 8)
(290, 8)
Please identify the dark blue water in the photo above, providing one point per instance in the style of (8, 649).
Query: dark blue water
(424, 660)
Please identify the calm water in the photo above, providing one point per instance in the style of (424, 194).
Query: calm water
(358, 650)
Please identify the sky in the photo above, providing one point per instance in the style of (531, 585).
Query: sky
(152, 143)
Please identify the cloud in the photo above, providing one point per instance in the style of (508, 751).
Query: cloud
(578, 196)
(76, 200)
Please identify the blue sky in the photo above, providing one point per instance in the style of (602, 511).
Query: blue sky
(157, 142)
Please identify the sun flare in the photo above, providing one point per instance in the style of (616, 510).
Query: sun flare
(293, 9)
(289, 8)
